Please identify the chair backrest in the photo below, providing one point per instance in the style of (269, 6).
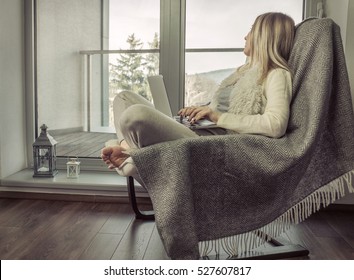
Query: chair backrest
(316, 57)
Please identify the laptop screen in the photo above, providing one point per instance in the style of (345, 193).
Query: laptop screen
(159, 94)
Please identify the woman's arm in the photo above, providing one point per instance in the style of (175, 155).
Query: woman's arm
(274, 121)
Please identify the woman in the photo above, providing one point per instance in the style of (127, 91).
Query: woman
(255, 99)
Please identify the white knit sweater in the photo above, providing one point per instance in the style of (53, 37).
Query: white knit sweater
(259, 109)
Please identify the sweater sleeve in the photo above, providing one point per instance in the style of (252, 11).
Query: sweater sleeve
(274, 121)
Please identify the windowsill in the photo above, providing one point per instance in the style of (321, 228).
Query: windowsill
(89, 183)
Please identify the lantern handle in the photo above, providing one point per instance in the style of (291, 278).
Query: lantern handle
(76, 159)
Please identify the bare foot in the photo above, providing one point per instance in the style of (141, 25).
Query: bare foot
(114, 156)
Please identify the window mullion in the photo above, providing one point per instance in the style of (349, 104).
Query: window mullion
(30, 77)
(172, 50)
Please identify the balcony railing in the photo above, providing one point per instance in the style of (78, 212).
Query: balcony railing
(96, 79)
(102, 77)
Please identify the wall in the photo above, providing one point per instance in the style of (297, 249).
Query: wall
(12, 110)
(342, 12)
(349, 45)
(338, 11)
(64, 28)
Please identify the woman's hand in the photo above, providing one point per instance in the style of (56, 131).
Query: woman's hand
(196, 113)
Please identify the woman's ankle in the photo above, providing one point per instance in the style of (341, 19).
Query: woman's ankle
(124, 144)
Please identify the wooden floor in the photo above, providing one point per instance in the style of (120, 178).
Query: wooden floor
(82, 144)
(47, 230)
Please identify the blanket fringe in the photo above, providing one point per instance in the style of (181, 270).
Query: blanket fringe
(245, 242)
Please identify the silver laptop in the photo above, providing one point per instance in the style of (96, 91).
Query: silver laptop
(159, 94)
(162, 103)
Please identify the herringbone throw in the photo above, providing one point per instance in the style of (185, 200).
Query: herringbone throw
(223, 188)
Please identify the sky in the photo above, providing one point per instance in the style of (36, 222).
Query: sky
(209, 24)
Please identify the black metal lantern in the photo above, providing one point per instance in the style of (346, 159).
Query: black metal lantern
(44, 155)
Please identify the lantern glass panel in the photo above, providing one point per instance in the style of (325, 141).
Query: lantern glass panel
(44, 156)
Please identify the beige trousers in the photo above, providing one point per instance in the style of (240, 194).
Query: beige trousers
(140, 125)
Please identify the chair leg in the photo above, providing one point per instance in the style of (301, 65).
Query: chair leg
(143, 215)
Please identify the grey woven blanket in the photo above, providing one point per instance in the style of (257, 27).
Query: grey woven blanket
(212, 187)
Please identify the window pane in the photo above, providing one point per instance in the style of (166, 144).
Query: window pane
(204, 77)
(138, 17)
(75, 91)
(131, 78)
(222, 24)
(133, 25)
(64, 28)
(225, 23)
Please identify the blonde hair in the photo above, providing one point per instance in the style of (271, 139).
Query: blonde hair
(271, 40)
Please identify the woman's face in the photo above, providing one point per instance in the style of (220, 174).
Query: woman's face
(247, 49)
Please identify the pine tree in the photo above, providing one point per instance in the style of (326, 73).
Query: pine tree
(128, 73)
(152, 59)
(131, 69)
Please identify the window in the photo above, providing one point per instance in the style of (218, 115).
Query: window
(62, 29)
(89, 50)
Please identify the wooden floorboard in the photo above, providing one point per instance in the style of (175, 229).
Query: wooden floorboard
(343, 223)
(102, 247)
(135, 241)
(321, 238)
(82, 144)
(155, 249)
(52, 230)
